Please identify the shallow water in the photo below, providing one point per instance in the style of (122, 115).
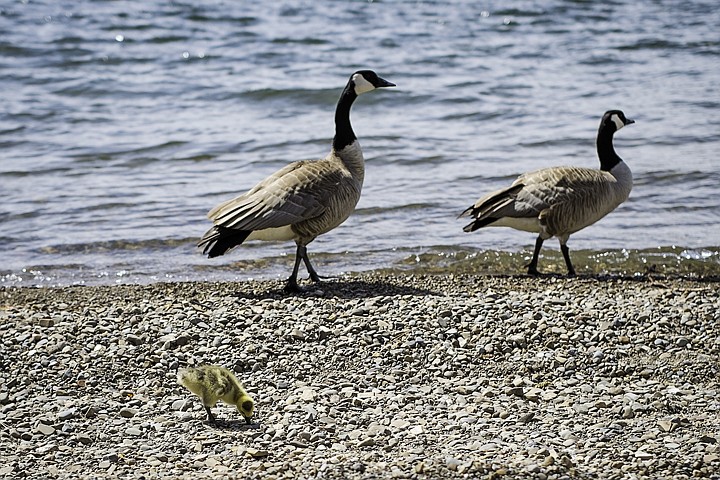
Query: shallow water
(124, 122)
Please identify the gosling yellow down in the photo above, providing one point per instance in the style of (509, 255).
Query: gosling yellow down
(212, 383)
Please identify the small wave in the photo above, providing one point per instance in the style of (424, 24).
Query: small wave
(652, 44)
(298, 96)
(147, 153)
(117, 246)
(379, 211)
(300, 41)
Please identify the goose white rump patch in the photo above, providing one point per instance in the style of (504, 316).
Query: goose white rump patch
(279, 234)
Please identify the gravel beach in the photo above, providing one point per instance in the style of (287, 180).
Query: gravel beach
(368, 376)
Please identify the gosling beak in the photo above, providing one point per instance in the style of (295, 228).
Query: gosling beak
(248, 421)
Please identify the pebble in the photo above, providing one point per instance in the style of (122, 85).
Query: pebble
(367, 442)
(372, 376)
(128, 412)
(255, 453)
(45, 429)
(66, 414)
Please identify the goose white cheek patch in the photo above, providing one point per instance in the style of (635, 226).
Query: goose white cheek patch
(361, 85)
(618, 122)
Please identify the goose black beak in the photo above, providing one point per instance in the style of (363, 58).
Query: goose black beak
(628, 121)
(384, 83)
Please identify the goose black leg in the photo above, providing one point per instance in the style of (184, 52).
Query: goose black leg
(302, 253)
(313, 273)
(566, 254)
(292, 286)
(532, 266)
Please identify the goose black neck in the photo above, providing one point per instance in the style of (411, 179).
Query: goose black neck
(344, 134)
(605, 149)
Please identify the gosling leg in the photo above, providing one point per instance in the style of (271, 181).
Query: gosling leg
(211, 417)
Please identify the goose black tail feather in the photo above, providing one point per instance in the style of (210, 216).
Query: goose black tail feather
(219, 240)
(479, 223)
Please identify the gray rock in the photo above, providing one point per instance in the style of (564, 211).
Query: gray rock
(128, 412)
(64, 415)
(366, 442)
(45, 429)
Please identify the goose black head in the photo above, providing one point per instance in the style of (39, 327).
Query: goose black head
(367, 80)
(616, 118)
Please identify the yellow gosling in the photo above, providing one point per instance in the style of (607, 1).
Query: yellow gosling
(212, 383)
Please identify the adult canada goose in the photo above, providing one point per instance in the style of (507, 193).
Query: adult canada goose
(303, 200)
(559, 201)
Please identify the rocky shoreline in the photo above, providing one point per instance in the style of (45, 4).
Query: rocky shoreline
(369, 376)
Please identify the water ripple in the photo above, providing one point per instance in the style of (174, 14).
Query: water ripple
(121, 128)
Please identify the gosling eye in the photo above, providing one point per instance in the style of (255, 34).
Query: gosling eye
(247, 406)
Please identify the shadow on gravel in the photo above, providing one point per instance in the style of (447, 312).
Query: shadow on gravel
(649, 278)
(342, 288)
(233, 425)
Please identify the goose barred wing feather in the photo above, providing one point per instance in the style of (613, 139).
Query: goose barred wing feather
(293, 194)
(493, 202)
(574, 204)
(552, 187)
(559, 197)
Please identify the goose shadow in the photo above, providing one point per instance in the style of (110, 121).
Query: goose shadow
(340, 288)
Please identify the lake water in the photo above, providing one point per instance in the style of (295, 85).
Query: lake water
(123, 123)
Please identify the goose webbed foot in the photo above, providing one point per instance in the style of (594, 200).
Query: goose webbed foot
(291, 286)
(532, 270)
(320, 278)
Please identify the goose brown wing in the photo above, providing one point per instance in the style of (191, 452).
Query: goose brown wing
(553, 187)
(293, 194)
(578, 198)
(534, 192)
